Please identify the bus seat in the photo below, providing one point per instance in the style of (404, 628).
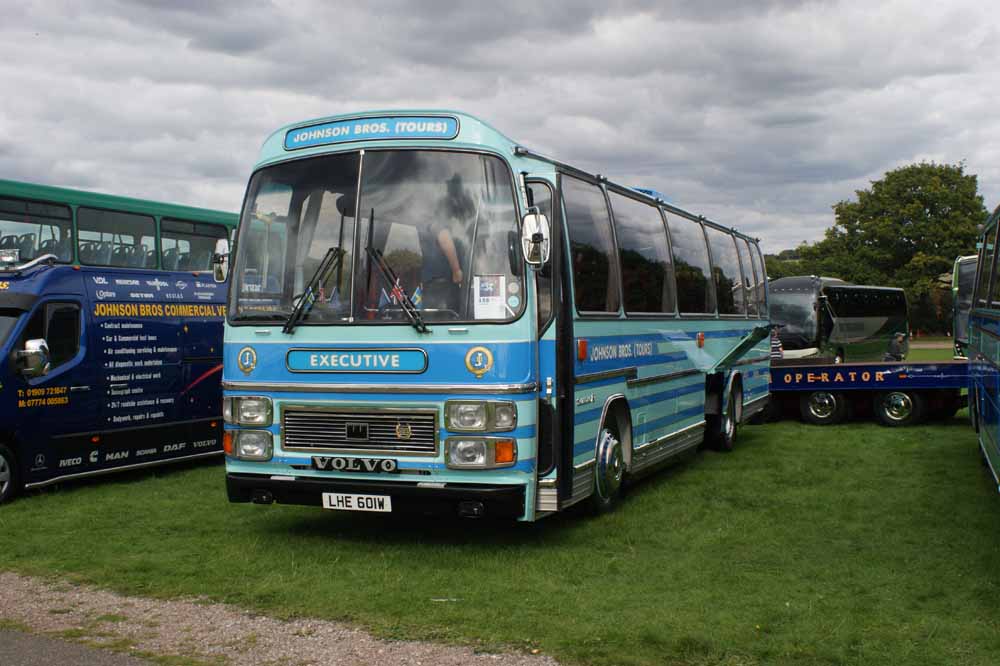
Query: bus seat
(103, 253)
(119, 256)
(136, 256)
(26, 244)
(201, 260)
(184, 261)
(150, 260)
(8, 241)
(170, 258)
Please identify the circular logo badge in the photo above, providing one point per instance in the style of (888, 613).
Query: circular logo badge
(478, 361)
(247, 360)
(404, 431)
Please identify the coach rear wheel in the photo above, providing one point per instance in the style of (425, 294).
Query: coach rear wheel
(8, 474)
(823, 407)
(608, 471)
(899, 408)
(724, 426)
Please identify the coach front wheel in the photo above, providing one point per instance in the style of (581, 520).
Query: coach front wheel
(609, 471)
(899, 408)
(823, 407)
(8, 474)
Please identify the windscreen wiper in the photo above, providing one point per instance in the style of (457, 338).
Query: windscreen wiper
(330, 261)
(405, 302)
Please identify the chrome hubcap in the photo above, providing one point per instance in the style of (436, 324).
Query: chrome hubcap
(822, 405)
(898, 406)
(611, 465)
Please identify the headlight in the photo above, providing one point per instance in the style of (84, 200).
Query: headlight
(479, 416)
(254, 445)
(247, 410)
(479, 453)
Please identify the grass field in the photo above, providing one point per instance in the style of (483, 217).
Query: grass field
(852, 544)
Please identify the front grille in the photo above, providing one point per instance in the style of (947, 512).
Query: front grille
(327, 430)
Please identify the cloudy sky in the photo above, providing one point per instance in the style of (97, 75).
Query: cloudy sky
(759, 114)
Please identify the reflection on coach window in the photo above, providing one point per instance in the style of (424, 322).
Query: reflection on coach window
(726, 264)
(595, 282)
(645, 260)
(113, 238)
(691, 266)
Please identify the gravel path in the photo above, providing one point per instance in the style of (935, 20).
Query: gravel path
(215, 632)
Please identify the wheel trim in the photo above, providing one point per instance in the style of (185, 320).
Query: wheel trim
(897, 406)
(610, 465)
(4, 475)
(822, 405)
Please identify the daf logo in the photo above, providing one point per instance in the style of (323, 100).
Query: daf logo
(404, 431)
(247, 360)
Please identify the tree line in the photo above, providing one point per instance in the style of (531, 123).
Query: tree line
(904, 231)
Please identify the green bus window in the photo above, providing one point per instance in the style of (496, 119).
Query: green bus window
(35, 229)
(114, 238)
(595, 281)
(647, 279)
(188, 246)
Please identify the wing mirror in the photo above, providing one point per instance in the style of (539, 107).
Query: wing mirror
(34, 360)
(535, 238)
(220, 260)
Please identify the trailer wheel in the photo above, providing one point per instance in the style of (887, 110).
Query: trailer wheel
(823, 407)
(899, 408)
(9, 481)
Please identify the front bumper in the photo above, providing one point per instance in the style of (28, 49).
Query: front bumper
(496, 501)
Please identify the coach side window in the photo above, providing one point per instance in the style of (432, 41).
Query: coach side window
(595, 280)
(691, 266)
(986, 265)
(34, 229)
(762, 284)
(647, 279)
(113, 238)
(750, 273)
(188, 246)
(541, 196)
(726, 269)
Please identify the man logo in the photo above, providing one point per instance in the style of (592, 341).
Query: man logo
(247, 360)
(404, 431)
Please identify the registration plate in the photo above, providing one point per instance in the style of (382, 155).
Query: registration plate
(353, 502)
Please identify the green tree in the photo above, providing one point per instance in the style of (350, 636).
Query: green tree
(903, 231)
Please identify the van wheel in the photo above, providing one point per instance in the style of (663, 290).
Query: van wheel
(974, 407)
(609, 471)
(899, 408)
(9, 482)
(823, 407)
(723, 426)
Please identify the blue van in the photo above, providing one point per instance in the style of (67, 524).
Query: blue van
(111, 330)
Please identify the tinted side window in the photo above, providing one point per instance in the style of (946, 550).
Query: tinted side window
(59, 325)
(750, 273)
(726, 266)
(645, 260)
(188, 246)
(986, 265)
(762, 285)
(595, 280)
(112, 238)
(541, 196)
(34, 229)
(691, 266)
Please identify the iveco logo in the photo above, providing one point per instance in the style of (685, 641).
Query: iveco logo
(404, 431)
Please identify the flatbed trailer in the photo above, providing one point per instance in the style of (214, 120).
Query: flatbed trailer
(896, 393)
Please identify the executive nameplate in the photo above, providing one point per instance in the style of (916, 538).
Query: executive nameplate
(398, 361)
(344, 464)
